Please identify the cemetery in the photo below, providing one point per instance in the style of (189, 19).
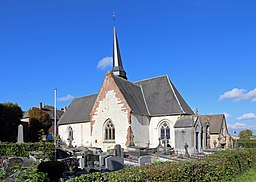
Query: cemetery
(86, 163)
(65, 162)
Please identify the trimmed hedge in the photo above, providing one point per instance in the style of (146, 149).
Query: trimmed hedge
(221, 166)
(23, 149)
(247, 143)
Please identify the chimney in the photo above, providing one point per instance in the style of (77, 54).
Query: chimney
(40, 105)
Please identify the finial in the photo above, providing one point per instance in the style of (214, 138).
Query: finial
(114, 18)
(196, 111)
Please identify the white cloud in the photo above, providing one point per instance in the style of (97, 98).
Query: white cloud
(247, 116)
(228, 115)
(238, 126)
(233, 94)
(105, 62)
(251, 95)
(66, 98)
(237, 94)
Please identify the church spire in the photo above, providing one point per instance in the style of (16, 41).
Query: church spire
(117, 61)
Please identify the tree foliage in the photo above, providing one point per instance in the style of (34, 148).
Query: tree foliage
(10, 115)
(245, 134)
(39, 120)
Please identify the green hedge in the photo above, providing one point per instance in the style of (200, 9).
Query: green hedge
(22, 150)
(222, 166)
(247, 143)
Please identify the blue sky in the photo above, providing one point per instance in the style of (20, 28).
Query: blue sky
(206, 47)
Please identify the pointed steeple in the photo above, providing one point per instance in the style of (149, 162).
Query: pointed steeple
(117, 61)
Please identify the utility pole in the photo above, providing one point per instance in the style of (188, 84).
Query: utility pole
(55, 122)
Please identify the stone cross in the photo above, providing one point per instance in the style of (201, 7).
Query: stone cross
(20, 134)
(186, 150)
(165, 145)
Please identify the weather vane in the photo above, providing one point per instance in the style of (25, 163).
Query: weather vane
(114, 18)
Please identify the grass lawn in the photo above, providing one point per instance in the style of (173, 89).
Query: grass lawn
(249, 176)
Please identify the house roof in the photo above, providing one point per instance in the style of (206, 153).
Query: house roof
(59, 113)
(133, 95)
(185, 122)
(79, 110)
(49, 111)
(162, 97)
(215, 122)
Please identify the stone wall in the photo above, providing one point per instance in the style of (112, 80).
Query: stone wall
(81, 134)
(154, 130)
(182, 136)
(110, 105)
(140, 129)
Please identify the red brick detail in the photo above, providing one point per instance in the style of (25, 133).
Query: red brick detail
(107, 85)
(129, 136)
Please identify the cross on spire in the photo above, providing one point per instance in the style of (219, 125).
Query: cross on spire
(114, 18)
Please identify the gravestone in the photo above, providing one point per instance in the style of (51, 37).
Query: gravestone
(81, 162)
(134, 153)
(102, 159)
(15, 162)
(160, 147)
(90, 159)
(144, 160)
(118, 150)
(114, 163)
(186, 150)
(20, 134)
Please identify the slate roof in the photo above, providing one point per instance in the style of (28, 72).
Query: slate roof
(49, 111)
(79, 110)
(133, 95)
(184, 122)
(151, 97)
(162, 97)
(215, 122)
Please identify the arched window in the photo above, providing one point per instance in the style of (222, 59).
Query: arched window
(164, 131)
(109, 130)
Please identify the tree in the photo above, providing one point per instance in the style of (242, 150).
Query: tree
(39, 120)
(245, 134)
(10, 115)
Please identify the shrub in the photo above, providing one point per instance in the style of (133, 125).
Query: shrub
(247, 143)
(23, 149)
(54, 169)
(31, 175)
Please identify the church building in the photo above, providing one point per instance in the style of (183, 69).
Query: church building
(142, 114)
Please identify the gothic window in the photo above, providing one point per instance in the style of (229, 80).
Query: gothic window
(109, 131)
(164, 131)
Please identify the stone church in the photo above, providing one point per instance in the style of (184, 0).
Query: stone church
(143, 114)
